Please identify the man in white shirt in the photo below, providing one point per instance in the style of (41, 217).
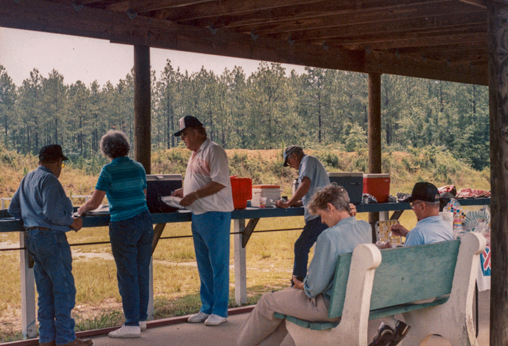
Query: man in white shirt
(207, 193)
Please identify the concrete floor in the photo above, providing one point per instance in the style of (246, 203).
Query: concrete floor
(184, 334)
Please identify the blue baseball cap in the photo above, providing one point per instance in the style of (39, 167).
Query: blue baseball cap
(290, 150)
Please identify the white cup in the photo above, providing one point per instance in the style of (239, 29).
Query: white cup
(262, 202)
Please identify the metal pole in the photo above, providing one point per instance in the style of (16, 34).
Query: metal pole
(374, 135)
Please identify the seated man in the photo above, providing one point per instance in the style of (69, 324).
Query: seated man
(431, 228)
(309, 300)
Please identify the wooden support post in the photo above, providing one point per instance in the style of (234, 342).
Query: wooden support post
(498, 104)
(374, 135)
(28, 326)
(142, 134)
(142, 106)
(240, 264)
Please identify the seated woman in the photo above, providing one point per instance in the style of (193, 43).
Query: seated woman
(309, 300)
(130, 229)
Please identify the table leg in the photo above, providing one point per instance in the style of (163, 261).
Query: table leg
(150, 309)
(240, 264)
(28, 327)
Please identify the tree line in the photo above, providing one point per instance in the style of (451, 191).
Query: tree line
(269, 109)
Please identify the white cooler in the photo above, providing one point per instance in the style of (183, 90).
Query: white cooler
(271, 192)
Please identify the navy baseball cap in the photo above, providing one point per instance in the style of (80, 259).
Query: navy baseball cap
(51, 152)
(187, 121)
(423, 191)
(290, 150)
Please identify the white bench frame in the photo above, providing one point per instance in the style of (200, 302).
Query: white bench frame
(452, 320)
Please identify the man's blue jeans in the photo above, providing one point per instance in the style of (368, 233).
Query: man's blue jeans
(55, 284)
(211, 233)
(131, 243)
(310, 233)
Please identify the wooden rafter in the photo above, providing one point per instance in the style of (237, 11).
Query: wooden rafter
(384, 29)
(294, 13)
(390, 27)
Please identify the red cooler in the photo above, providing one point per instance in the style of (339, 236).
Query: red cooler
(242, 191)
(377, 185)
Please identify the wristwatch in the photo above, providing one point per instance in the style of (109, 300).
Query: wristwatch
(196, 196)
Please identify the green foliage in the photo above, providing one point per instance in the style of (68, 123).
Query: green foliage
(357, 138)
(319, 108)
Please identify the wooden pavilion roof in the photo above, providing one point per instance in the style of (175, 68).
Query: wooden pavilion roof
(437, 39)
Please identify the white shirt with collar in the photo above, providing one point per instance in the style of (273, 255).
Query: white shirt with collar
(209, 163)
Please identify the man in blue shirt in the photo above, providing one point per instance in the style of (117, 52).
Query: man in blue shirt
(46, 211)
(312, 176)
(431, 228)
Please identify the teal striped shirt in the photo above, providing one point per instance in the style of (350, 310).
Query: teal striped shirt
(124, 181)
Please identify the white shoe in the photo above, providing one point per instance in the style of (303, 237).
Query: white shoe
(142, 325)
(198, 318)
(126, 332)
(215, 320)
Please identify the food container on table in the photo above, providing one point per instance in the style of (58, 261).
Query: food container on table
(271, 192)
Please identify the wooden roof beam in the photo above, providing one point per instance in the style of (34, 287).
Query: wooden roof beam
(425, 68)
(406, 26)
(478, 3)
(118, 27)
(400, 40)
(229, 13)
(226, 7)
(321, 13)
(141, 6)
(362, 18)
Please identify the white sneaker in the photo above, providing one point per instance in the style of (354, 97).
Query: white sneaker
(215, 320)
(198, 318)
(126, 332)
(142, 325)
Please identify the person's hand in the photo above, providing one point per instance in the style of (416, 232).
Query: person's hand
(353, 209)
(188, 199)
(77, 223)
(384, 245)
(178, 193)
(399, 230)
(297, 284)
(282, 204)
(81, 211)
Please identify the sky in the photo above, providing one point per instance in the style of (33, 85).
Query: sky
(78, 58)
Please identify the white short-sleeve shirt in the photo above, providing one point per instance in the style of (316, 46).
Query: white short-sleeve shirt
(209, 163)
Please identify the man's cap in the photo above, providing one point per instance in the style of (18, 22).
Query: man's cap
(423, 191)
(290, 150)
(51, 152)
(187, 121)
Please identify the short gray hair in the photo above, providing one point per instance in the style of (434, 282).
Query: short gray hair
(334, 194)
(432, 204)
(115, 144)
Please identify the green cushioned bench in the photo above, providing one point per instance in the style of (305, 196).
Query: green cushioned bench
(442, 275)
